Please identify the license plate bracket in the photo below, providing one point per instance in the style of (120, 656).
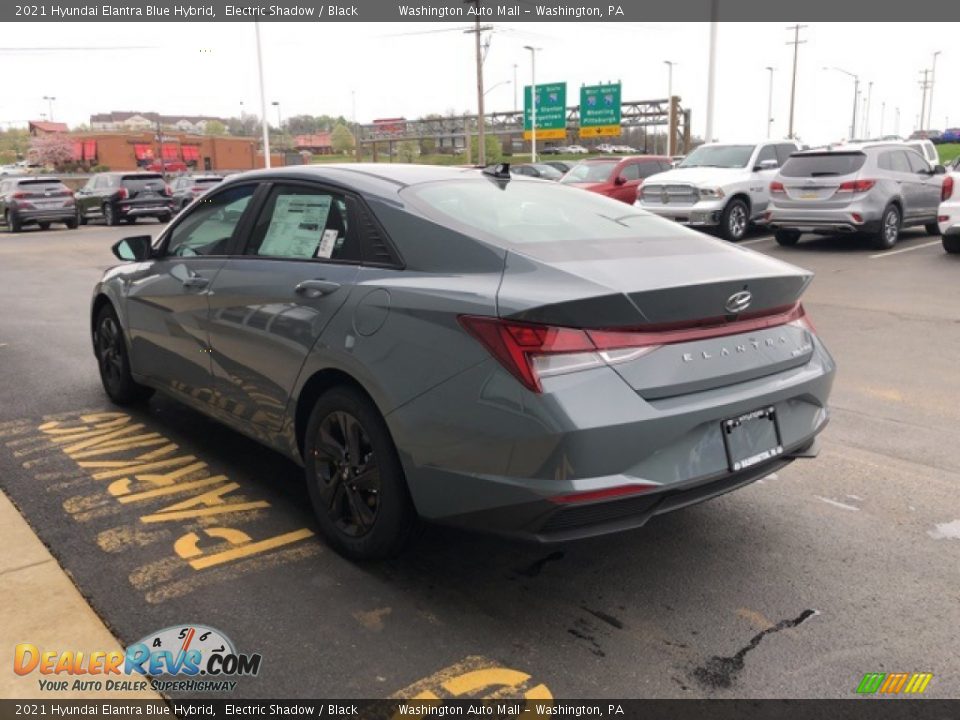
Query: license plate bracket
(751, 438)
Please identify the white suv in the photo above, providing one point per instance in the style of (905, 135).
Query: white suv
(719, 185)
(949, 215)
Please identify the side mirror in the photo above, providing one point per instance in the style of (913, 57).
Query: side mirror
(135, 248)
(620, 180)
(769, 164)
(939, 170)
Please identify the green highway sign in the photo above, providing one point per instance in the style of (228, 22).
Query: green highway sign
(551, 111)
(600, 110)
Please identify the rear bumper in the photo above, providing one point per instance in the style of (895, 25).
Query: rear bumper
(481, 452)
(843, 220)
(46, 214)
(151, 210)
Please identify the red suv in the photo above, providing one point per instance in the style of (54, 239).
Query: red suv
(616, 177)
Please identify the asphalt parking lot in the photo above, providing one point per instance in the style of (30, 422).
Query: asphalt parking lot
(792, 587)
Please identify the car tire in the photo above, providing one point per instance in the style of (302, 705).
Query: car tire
(932, 228)
(786, 238)
(165, 218)
(71, 223)
(370, 521)
(81, 218)
(735, 220)
(130, 220)
(109, 215)
(114, 362)
(889, 231)
(13, 222)
(44, 225)
(951, 243)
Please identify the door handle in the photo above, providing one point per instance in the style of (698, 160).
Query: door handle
(316, 288)
(195, 281)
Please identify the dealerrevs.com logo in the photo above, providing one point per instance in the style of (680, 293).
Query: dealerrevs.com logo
(182, 658)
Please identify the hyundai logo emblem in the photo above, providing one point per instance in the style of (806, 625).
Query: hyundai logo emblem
(738, 302)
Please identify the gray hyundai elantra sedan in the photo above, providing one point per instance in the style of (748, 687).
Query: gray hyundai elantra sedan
(468, 347)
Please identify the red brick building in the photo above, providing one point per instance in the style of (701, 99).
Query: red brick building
(129, 151)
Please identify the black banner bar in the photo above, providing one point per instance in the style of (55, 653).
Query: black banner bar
(854, 709)
(859, 11)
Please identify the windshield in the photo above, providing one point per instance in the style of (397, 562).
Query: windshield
(825, 165)
(723, 156)
(588, 172)
(521, 212)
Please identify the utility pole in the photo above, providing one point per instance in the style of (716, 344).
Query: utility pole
(356, 130)
(770, 103)
(670, 138)
(712, 67)
(514, 87)
(50, 99)
(883, 115)
(481, 121)
(533, 101)
(924, 85)
(896, 124)
(933, 79)
(866, 114)
(796, 42)
(163, 164)
(263, 101)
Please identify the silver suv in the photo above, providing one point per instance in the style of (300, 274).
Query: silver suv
(875, 189)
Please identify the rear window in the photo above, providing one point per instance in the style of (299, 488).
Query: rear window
(825, 165)
(522, 213)
(41, 185)
(140, 182)
(589, 172)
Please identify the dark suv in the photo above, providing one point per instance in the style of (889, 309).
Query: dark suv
(116, 196)
(188, 187)
(36, 200)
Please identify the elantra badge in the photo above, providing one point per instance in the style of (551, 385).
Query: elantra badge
(738, 302)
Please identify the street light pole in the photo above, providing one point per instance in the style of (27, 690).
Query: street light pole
(669, 64)
(883, 115)
(770, 103)
(856, 99)
(896, 125)
(933, 79)
(263, 101)
(711, 68)
(866, 114)
(514, 87)
(49, 99)
(533, 101)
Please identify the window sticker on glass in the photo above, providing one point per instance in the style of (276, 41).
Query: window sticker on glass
(296, 226)
(327, 244)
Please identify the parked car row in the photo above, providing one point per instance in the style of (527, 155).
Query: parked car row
(111, 196)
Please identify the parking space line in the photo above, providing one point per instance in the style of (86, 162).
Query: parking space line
(756, 240)
(888, 253)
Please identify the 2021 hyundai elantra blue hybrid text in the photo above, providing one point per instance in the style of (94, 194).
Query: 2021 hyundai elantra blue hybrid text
(468, 347)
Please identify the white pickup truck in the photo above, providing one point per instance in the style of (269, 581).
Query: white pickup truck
(719, 185)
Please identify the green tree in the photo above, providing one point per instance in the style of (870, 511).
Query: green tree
(341, 138)
(408, 151)
(214, 127)
(492, 145)
(14, 144)
(428, 146)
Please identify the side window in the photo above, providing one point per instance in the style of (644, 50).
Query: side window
(899, 162)
(767, 152)
(647, 169)
(784, 151)
(917, 163)
(303, 223)
(631, 172)
(208, 228)
(885, 162)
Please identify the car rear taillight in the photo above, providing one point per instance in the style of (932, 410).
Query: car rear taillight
(123, 194)
(532, 352)
(20, 195)
(198, 188)
(946, 192)
(856, 186)
(776, 188)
